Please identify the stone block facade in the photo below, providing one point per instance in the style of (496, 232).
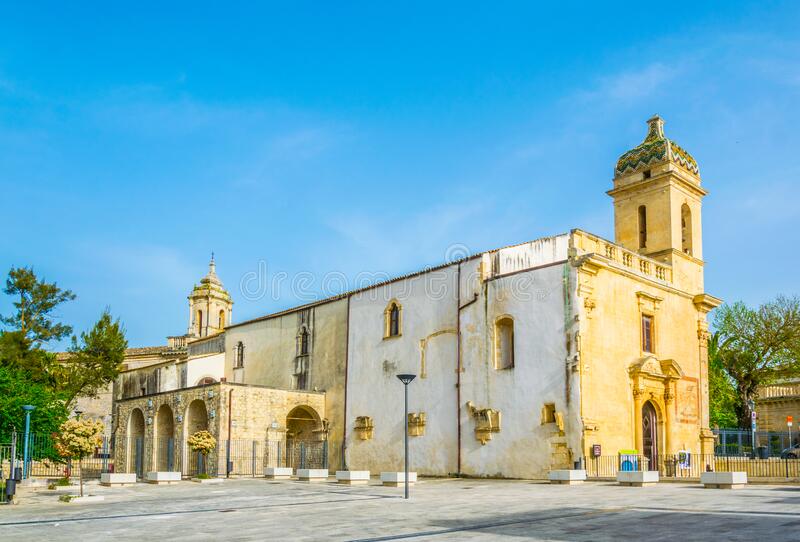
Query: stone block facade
(152, 430)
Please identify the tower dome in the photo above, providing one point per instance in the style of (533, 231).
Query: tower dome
(210, 305)
(656, 148)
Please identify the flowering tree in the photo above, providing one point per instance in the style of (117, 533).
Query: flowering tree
(203, 442)
(78, 438)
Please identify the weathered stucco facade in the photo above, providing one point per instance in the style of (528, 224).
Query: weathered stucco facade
(527, 357)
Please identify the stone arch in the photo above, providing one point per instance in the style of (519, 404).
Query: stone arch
(164, 439)
(135, 442)
(303, 429)
(195, 419)
(301, 423)
(650, 433)
(206, 380)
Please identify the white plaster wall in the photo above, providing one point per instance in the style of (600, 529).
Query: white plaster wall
(169, 378)
(533, 254)
(428, 306)
(212, 365)
(536, 301)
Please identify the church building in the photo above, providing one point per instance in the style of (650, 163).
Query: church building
(526, 357)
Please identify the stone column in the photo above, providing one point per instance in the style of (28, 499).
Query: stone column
(638, 402)
(669, 399)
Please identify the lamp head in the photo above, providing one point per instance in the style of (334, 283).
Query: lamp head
(28, 408)
(406, 378)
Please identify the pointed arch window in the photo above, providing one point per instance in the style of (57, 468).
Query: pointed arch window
(304, 342)
(393, 320)
(238, 356)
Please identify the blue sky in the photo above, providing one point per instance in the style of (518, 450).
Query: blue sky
(350, 137)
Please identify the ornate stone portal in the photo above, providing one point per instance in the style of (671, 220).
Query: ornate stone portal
(654, 381)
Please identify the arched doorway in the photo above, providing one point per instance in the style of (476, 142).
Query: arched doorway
(650, 434)
(164, 439)
(135, 443)
(303, 449)
(196, 419)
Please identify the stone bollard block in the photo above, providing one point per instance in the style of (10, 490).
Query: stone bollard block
(352, 477)
(724, 480)
(395, 479)
(637, 478)
(567, 477)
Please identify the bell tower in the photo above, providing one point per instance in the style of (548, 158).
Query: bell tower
(210, 305)
(657, 204)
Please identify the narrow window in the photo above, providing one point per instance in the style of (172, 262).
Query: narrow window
(686, 229)
(642, 226)
(304, 342)
(199, 322)
(504, 343)
(646, 174)
(238, 356)
(647, 333)
(392, 320)
(222, 319)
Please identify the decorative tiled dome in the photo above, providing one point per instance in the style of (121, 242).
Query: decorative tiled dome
(655, 148)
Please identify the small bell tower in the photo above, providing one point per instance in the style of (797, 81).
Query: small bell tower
(657, 204)
(210, 305)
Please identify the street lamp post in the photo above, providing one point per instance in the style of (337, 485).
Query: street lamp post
(752, 405)
(406, 380)
(28, 409)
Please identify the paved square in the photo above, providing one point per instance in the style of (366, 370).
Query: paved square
(440, 509)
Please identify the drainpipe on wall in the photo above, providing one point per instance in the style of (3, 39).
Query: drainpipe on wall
(458, 368)
(230, 426)
(459, 308)
(346, 365)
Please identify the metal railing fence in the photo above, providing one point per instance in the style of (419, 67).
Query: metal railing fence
(677, 466)
(44, 461)
(739, 442)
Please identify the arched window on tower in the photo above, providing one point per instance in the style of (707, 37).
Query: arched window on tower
(221, 319)
(686, 229)
(642, 226)
(199, 322)
(504, 343)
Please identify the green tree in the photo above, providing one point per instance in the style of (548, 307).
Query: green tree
(37, 299)
(17, 389)
(757, 346)
(94, 361)
(721, 390)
